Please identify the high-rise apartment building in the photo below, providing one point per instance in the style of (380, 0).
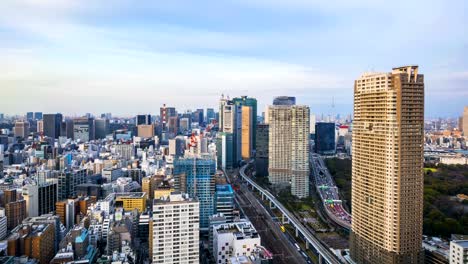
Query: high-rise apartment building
(52, 125)
(175, 230)
(288, 147)
(387, 170)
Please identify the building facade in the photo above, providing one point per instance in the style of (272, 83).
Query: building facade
(199, 183)
(325, 142)
(288, 147)
(52, 125)
(387, 169)
(175, 230)
(458, 252)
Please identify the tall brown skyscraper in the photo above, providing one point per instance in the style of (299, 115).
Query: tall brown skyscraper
(464, 121)
(387, 173)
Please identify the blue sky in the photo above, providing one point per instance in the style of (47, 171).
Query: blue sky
(129, 57)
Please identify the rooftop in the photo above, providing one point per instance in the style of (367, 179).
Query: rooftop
(462, 243)
(224, 188)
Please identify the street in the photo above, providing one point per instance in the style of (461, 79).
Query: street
(272, 238)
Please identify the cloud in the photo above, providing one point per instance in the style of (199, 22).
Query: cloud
(190, 52)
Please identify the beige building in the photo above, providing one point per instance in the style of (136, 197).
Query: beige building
(40, 126)
(288, 146)
(387, 170)
(247, 132)
(146, 131)
(464, 121)
(21, 129)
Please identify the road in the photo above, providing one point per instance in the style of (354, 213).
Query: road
(273, 239)
(324, 252)
(328, 192)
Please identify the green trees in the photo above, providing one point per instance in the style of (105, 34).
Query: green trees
(443, 213)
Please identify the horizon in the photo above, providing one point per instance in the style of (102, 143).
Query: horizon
(76, 57)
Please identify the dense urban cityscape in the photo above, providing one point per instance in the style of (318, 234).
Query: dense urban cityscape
(232, 185)
(233, 132)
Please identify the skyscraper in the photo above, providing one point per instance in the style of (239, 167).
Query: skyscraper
(225, 150)
(284, 100)
(165, 113)
(210, 115)
(222, 102)
(464, 125)
(387, 170)
(38, 115)
(232, 123)
(21, 129)
(288, 147)
(83, 129)
(261, 153)
(247, 133)
(143, 120)
(101, 128)
(252, 124)
(200, 183)
(52, 124)
(325, 142)
(29, 116)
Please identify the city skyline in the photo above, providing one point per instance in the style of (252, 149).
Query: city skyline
(100, 55)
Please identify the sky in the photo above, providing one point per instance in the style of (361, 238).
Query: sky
(129, 57)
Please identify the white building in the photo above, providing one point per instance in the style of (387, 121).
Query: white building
(175, 237)
(3, 224)
(288, 147)
(459, 252)
(126, 151)
(234, 240)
